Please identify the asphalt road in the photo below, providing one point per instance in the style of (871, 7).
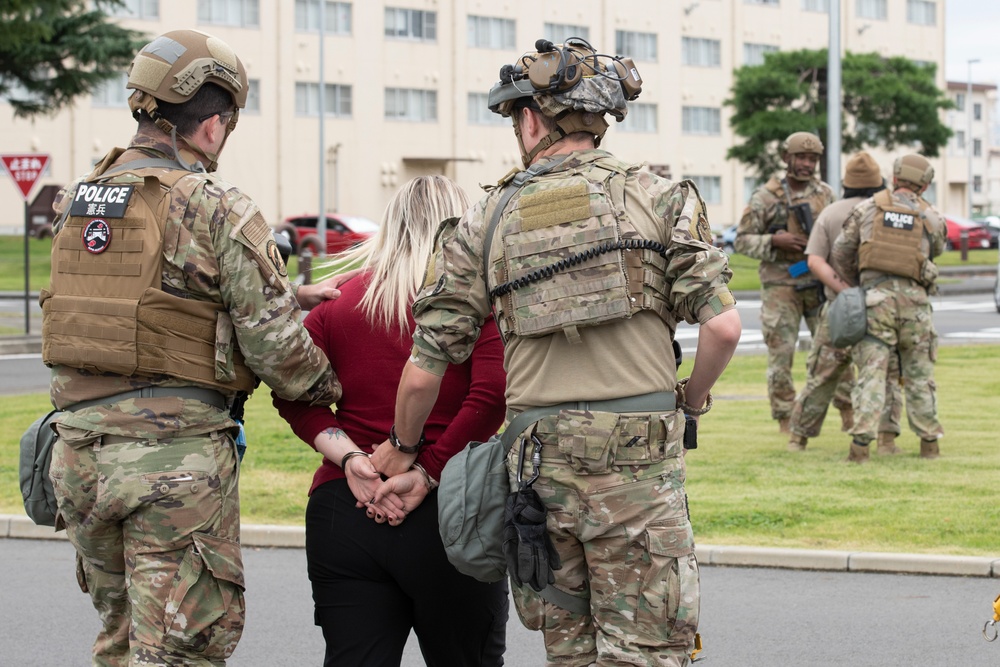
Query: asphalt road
(749, 617)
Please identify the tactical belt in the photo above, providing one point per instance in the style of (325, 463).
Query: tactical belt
(655, 402)
(210, 396)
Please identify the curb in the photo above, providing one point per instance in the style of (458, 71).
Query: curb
(21, 527)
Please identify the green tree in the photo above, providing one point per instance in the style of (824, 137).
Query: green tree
(886, 102)
(52, 51)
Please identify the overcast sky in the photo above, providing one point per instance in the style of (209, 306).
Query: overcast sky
(972, 30)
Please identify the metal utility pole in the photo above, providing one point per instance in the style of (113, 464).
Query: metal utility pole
(833, 138)
(321, 216)
(968, 136)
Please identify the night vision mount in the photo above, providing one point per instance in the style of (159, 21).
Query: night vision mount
(558, 68)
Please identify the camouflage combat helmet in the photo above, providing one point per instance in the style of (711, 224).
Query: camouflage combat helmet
(802, 142)
(571, 84)
(175, 65)
(913, 168)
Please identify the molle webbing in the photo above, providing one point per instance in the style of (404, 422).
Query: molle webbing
(894, 246)
(105, 312)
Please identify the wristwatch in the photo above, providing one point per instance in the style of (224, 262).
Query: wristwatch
(405, 449)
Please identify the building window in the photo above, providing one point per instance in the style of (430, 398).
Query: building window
(753, 54)
(337, 102)
(239, 13)
(136, 9)
(641, 118)
(816, 6)
(960, 101)
(410, 24)
(960, 140)
(487, 32)
(750, 185)
(921, 12)
(253, 97)
(701, 52)
(872, 9)
(701, 120)
(930, 194)
(977, 183)
(480, 114)
(337, 17)
(977, 147)
(410, 104)
(977, 111)
(636, 45)
(710, 188)
(560, 32)
(111, 93)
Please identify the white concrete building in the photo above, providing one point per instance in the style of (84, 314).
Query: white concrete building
(406, 84)
(971, 154)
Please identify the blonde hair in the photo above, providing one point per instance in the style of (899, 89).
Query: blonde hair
(397, 255)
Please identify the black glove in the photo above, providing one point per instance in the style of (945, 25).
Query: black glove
(531, 558)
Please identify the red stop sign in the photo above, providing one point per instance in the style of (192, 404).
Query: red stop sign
(25, 170)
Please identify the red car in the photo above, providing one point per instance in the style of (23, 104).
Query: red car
(979, 236)
(342, 232)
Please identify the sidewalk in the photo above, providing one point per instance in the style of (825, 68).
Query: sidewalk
(21, 527)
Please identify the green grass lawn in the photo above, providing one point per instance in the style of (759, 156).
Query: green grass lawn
(744, 487)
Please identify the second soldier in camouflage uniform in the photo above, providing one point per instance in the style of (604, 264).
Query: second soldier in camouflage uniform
(168, 296)
(829, 367)
(888, 246)
(771, 232)
(592, 264)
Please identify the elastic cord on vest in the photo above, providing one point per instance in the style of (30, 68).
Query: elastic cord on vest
(573, 260)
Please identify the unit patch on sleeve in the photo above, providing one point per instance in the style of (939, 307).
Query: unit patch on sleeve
(898, 220)
(275, 256)
(107, 201)
(97, 236)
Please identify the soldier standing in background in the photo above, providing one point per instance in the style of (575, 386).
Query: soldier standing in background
(592, 264)
(775, 228)
(887, 246)
(829, 367)
(168, 296)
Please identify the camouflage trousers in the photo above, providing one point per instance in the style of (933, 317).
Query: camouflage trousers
(782, 311)
(617, 515)
(830, 376)
(155, 524)
(900, 322)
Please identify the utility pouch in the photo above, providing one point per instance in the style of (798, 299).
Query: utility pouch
(585, 439)
(639, 441)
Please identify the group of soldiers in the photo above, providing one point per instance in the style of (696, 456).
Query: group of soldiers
(811, 248)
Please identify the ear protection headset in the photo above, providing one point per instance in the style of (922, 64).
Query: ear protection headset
(557, 68)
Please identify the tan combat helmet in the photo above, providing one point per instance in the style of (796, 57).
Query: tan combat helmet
(802, 142)
(915, 169)
(570, 83)
(175, 65)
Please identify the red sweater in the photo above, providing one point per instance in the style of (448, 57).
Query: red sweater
(369, 361)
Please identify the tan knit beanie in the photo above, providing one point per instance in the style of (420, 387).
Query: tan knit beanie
(862, 172)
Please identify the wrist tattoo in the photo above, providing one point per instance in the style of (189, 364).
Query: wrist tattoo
(335, 433)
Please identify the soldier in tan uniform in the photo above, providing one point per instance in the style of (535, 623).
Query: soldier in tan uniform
(588, 264)
(888, 246)
(168, 299)
(775, 228)
(829, 367)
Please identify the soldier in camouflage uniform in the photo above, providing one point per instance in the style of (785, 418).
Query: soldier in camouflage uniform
(887, 246)
(771, 232)
(168, 296)
(829, 367)
(592, 264)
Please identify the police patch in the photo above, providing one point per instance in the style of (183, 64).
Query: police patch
(898, 220)
(109, 201)
(97, 236)
(275, 256)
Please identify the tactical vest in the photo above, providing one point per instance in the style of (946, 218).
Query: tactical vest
(784, 219)
(105, 310)
(571, 256)
(896, 235)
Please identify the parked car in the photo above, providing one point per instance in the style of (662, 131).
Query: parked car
(992, 225)
(977, 234)
(726, 239)
(342, 232)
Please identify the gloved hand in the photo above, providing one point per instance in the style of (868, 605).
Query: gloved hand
(530, 555)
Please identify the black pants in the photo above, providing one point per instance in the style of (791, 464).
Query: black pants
(373, 582)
